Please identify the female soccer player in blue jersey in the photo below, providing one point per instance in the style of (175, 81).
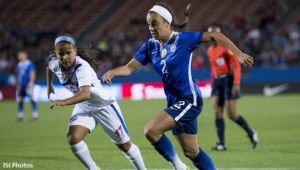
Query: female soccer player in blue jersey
(170, 53)
(26, 77)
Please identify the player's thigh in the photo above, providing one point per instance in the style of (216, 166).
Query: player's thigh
(21, 93)
(80, 124)
(228, 91)
(83, 118)
(29, 92)
(185, 115)
(218, 89)
(110, 118)
(160, 123)
(77, 133)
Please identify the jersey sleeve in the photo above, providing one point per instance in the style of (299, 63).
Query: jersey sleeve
(192, 39)
(235, 65)
(83, 76)
(212, 66)
(53, 64)
(142, 55)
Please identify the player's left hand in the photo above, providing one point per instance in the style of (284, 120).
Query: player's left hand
(245, 59)
(57, 103)
(29, 89)
(30, 84)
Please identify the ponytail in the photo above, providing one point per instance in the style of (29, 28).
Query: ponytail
(90, 56)
(175, 23)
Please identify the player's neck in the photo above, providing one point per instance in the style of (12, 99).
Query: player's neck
(215, 45)
(170, 35)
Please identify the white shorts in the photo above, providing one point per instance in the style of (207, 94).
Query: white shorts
(110, 118)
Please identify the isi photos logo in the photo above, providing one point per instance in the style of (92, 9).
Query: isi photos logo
(17, 165)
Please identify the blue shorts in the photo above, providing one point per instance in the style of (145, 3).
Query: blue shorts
(185, 115)
(223, 87)
(23, 91)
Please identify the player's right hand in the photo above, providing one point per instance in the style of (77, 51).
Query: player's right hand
(57, 103)
(106, 78)
(245, 59)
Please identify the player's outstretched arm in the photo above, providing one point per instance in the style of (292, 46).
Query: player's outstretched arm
(243, 58)
(83, 95)
(124, 70)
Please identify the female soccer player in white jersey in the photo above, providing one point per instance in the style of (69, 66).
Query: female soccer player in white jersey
(75, 69)
(170, 53)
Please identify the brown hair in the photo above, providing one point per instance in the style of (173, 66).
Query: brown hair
(88, 55)
(175, 23)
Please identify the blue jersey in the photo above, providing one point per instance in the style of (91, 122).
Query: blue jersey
(172, 61)
(24, 70)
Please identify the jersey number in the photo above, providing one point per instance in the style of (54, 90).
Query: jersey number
(178, 105)
(164, 70)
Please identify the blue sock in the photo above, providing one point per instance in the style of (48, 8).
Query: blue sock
(165, 148)
(20, 106)
(33, 106)
(220, 125)
(243, 123)
(203, 161)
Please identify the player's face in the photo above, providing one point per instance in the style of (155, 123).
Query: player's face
(22, 56)
(66, 54)
(158, 27)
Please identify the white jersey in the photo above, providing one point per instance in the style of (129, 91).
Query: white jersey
(82, 75)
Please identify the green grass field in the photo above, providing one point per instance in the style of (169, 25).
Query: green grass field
(44, 145)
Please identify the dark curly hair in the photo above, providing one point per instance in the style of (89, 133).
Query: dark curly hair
(88, 55)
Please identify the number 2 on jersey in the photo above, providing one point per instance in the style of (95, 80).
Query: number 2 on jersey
(164, 70)
(178, 105)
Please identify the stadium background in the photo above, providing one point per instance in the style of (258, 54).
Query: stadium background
(269, 30)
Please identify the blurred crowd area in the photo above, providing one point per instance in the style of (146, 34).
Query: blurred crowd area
(264, 34)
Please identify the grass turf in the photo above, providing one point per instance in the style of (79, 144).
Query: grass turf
(44, 145)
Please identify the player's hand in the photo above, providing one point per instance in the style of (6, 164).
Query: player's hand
(57, 103)
(106, 78)
(30, 85)
(50, 90)
(235, 90)
(245, 59)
